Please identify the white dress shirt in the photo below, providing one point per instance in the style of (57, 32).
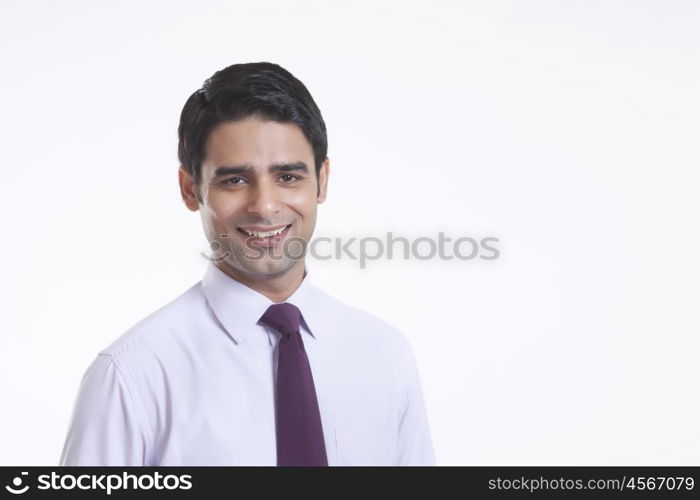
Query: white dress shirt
(194, 382)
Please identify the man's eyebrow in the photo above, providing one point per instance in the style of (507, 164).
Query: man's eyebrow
(298, 166)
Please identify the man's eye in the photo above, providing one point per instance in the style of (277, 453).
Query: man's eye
(289, 176)
(229, 181)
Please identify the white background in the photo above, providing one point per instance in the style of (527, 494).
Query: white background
(567, 129)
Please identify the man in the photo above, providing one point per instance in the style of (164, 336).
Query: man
(253, 365)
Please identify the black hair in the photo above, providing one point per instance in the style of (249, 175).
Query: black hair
(261, 89)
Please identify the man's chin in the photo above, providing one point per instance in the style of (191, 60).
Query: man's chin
(266, 268)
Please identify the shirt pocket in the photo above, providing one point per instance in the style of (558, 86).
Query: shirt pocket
(362, 447)
(332, 449)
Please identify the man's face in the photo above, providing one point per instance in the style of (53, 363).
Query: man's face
(257, 176)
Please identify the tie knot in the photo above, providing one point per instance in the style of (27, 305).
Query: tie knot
(283, 317)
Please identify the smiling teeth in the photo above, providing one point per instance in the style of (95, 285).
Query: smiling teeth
(258, 234)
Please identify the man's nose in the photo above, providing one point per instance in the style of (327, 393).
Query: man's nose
(263, 200)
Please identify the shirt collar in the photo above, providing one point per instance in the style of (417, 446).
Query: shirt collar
(239, 308)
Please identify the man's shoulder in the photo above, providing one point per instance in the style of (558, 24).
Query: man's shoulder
(162, 325)
(356, 331)
(355, 320)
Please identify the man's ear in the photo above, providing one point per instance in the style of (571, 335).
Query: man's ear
(188, 189)
(323, 180)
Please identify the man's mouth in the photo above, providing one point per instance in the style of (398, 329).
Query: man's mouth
(265, 238)
(264, 234)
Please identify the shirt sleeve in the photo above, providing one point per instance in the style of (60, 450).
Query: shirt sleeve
(415, 445)
(106, 427)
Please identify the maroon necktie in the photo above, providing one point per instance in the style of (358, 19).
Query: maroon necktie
(297, 418)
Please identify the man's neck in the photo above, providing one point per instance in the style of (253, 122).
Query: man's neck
(276, 288)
